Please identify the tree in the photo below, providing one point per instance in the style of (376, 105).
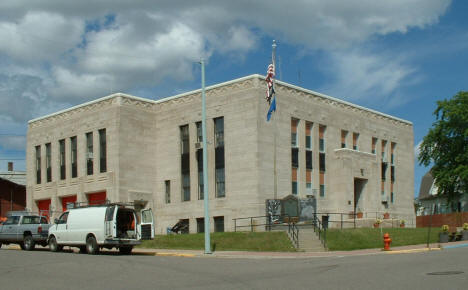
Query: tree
(446, 147)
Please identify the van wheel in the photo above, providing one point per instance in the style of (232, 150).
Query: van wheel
(125, 250)
(92, 246)
(82, 249)
(29, 243)
(53, 246)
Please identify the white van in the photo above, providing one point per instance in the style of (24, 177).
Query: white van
(103, 226)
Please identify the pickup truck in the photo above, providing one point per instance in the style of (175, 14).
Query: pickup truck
(24, 228)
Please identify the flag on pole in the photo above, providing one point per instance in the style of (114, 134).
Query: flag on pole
(270, 93)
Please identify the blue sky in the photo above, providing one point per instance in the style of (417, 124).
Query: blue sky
(398, 57)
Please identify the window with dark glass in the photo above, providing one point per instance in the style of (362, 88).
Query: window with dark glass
(219, 157)
(322, 129)
(185, 162)
(294, 187)
(62, 159)
(200, 225)
(295, 157)
(89, 153)
(102, 151)
(308, 159)
(38, 164)
(200, 173)
(74, 156)
(322, 162)
(322, 190)
(218, 224)
(344, 133)
(48, 162)
(374, 143)
(167, 188)
(384, 170)
(355, 141)
(392, 173)
(199, 132)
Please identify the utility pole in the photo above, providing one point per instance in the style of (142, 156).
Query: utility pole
(273, 61)
(205, 163)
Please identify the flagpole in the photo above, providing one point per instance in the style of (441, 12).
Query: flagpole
(273, 61)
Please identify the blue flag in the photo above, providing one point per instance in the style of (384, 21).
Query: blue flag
(272, 108)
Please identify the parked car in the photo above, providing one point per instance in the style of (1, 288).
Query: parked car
(25, 229)
(92, 228)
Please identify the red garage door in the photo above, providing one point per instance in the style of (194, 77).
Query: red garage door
(66, 200)
(97, 198)
(44, 206)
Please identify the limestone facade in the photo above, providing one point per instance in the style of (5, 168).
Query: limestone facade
(143, 153)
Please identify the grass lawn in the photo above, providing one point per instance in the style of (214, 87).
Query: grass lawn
(238, 241)
(368, 238)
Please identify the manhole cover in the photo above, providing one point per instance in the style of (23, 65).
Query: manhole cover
(446, 273)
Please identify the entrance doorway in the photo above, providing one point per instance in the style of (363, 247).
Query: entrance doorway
(359, 184)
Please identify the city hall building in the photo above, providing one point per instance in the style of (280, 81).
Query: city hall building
(122, 148)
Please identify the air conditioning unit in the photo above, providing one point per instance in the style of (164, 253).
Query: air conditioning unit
(198, 145)
(384, 199)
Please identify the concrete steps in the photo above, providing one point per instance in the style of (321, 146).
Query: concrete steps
(309, 241)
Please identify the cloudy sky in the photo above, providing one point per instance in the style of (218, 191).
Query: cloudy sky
(398, 56)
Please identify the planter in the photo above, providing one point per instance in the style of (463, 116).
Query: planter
(376, 225)
(465, 235)
(443, 237)
(359, 215)
(386, 216)
(402, 225)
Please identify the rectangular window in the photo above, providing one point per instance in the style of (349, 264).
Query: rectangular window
(62, 159)
(384, 170)
(219, 132)
(294, 187)
(167, 187)
(322, 162)
(384, 146)
(392, 151)
(218, 224)
(48, 162)
(38, 164)
(355, 141)
(391, 197)
(89, 153)
(309, 135)
(309, 187)
(322, 129)
(309, 182)
(200, 174)
(295, 157)
(74, 157)
(185, 162)
(309, 159)
(392, 173)
(102, 151)
(374, 143)
(294, 123)
(200, 225)
(322, 184)
(344, 133)
(185, 228)
(220, 190)
(199, 132)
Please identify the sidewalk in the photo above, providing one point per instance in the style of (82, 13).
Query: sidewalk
(296, 255)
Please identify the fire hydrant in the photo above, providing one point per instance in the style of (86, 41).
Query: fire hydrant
(387, 241)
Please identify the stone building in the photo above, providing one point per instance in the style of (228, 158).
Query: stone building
(124, 148)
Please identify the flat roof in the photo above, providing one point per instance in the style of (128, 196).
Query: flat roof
(165, 99)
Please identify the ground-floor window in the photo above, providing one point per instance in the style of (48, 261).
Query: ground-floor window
(218, 224)
(200, 225)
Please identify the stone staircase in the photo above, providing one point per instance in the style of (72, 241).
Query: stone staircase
(309, 241)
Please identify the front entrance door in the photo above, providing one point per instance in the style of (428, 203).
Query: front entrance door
(359, 185)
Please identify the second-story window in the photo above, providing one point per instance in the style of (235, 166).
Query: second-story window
(355, 141)
(38, 164)
(344, 133)
(74, 157)
(102, 151)
(219, 157)
(167, 185)
(62, 159)
(89, 153)
(48, 162)
(185, 162)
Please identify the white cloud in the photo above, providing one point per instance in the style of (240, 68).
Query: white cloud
(367, 77)
(65, 53)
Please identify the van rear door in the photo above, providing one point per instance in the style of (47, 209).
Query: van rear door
(110, 221)
(147, 225)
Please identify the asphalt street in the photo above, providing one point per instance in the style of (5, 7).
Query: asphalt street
(41, 269)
